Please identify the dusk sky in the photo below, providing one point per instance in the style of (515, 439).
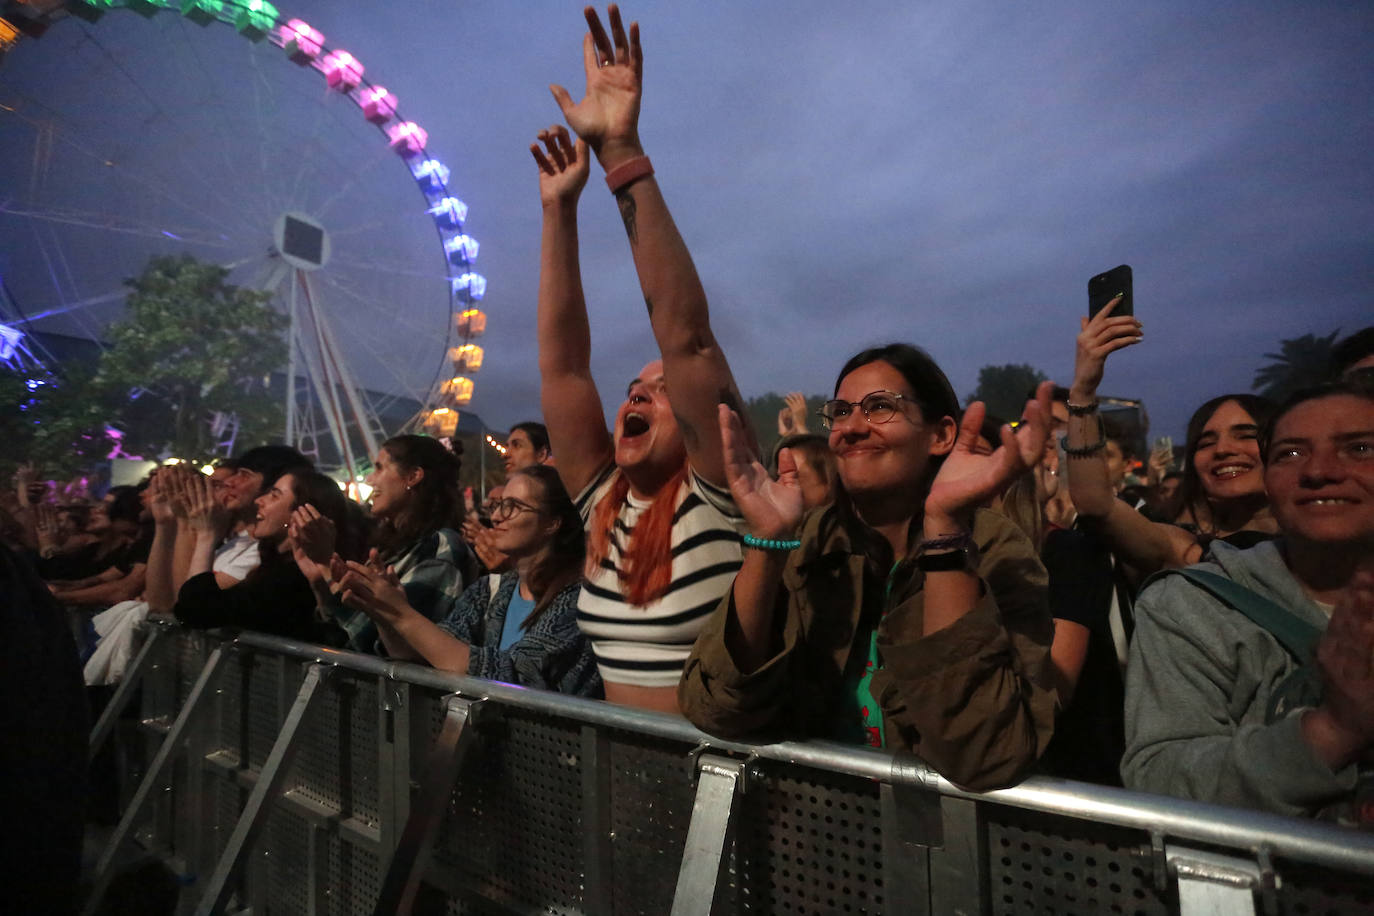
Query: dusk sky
(948, 174)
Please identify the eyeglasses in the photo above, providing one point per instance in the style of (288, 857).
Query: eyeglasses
(878, 407)
(509, 507)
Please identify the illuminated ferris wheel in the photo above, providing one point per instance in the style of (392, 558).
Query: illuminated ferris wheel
(148, 134)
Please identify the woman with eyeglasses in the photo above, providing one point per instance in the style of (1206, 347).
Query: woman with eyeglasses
(524, 631)
(901, 615)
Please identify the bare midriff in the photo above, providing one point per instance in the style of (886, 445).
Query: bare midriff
(658, 699)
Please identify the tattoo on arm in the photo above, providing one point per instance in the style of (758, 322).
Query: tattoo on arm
(649, 304)
(627, 214)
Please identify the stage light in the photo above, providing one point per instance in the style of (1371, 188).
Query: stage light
(202, 12)
(475, 285)
(432, 176)
(342, 71)
(301, 41)
(467, 358)
(449, 213)
(407, 138)
(379, 105)
(462, 249)
(255, 19)
(472, 323)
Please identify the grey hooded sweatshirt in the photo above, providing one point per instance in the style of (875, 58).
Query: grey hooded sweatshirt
(1198, 685)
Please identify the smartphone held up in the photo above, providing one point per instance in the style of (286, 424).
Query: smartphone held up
(1106, 286)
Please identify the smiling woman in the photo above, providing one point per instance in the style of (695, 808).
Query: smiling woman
(905, 616)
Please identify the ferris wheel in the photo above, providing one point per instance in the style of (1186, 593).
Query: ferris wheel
(241, 135)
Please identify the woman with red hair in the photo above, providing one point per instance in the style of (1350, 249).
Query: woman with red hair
(661, 526)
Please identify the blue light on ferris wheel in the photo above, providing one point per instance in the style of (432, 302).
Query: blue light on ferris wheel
(461, 249)
(449, 213)
(475, 285)
(432, 175)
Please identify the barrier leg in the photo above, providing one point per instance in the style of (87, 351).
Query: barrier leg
(133, 675)
(1209, 883)
(104, 871)
(456, 739)
(596, 822)
(274, 771)
(719, 780)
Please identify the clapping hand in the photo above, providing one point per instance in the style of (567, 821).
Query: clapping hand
(1345, 657)
(967, 480)
(311, 537)
(160, 504)
(374, 591)
(203, 512)
(792, 417)
(772, 508)
(607, 118)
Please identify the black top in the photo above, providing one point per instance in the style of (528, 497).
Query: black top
(275, 598)
(1089, 735)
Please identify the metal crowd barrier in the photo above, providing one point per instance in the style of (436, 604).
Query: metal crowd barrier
(288, 778)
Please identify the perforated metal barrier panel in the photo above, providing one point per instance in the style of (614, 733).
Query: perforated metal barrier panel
(566, 807)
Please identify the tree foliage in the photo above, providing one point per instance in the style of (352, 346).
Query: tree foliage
(1300, 362)
(762, 411)
(191, 344)
(55, 423)
(1005, 389)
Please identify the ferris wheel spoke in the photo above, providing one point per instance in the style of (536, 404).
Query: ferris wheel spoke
(396, 317)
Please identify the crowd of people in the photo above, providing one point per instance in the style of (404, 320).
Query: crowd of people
(989, 595)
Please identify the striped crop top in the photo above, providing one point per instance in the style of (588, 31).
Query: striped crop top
(647, 646)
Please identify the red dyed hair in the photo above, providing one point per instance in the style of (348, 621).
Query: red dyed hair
(646, 567)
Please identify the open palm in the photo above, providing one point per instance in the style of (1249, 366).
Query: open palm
(614, 65)
(771, 508)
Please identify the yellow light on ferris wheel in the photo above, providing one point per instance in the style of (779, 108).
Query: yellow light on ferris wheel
(472, 323)
(459, 388)
(467, 358)
(442, 420)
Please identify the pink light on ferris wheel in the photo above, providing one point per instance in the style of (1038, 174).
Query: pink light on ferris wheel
(301, 41)
(342, 71)
(407, 138)
(379, 105)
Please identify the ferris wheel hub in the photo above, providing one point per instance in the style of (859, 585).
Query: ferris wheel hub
(301, 241)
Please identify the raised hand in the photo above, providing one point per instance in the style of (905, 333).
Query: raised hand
(607, 118)
(796, 404)
(1099, 337)
(771, 508)
(563, 170)
(311, 537)
(967, 480)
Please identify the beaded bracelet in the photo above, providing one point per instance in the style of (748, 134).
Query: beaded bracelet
(769, 543)
(1081, 410)
(1082, 451)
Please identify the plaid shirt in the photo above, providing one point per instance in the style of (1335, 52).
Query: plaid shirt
(552, 654)
(431, 571)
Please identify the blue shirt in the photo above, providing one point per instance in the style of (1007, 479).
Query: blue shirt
(516, 612)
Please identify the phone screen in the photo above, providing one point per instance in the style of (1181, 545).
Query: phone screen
(1105, 287)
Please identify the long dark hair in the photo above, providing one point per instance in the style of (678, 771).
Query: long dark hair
(935, 397)
(435, 502)
(563, 566)
(1191, 495)
(310, 487)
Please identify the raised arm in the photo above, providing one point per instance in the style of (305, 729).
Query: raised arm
(159, 588)
(607, 118)
(1145, 545)
(568, 396)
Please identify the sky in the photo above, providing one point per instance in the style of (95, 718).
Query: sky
(949, 174)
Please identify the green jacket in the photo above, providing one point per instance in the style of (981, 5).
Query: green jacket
(974, 700)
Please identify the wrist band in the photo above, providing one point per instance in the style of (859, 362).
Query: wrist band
(769, 543)
(628, 172)
(1081, 410)
(947, 553)
(961, 541)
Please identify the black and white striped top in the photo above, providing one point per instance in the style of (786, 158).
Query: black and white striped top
(647, 646)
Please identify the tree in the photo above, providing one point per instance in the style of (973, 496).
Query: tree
(191, 345)
(1005, 389)
(762, 411)
(1300, 363)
